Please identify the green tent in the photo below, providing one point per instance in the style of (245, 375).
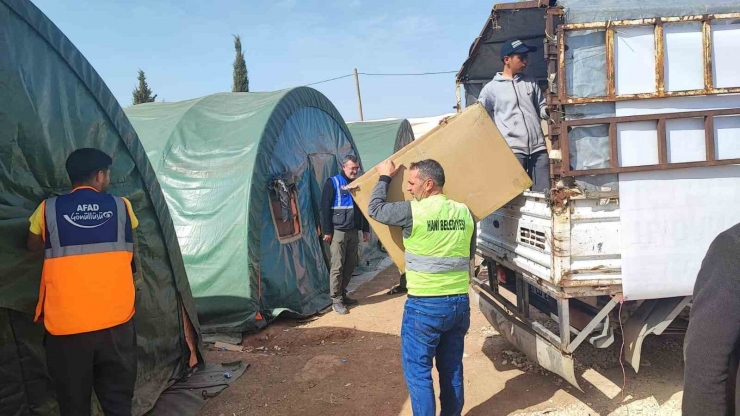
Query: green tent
(242, 174)
(377, 141)
(52, 102)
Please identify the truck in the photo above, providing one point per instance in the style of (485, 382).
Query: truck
(644, 146)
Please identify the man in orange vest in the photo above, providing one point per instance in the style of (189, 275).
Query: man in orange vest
(87, 290)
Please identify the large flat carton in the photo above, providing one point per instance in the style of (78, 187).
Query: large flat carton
(480, 169)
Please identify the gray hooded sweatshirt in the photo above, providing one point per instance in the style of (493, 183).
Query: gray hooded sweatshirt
(516, 106)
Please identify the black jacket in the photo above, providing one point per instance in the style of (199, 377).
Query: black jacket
(713, 338)
(327, 223)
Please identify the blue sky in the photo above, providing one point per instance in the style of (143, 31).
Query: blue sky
(186, 47)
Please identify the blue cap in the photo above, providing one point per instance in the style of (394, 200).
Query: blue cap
(515, 46)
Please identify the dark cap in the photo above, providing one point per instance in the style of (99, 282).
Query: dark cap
(513, 46)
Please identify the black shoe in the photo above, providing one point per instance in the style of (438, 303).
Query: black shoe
(350, 301)
(397, 289)
(340, 308)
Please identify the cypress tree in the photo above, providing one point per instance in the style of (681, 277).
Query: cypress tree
(241, 76)
(142, 93)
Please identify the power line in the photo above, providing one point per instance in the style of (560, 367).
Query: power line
(375, 74)
(331, 79)
(370, 74)
(408, 75)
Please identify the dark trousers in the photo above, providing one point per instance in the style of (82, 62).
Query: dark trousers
(344, 253)
(537, 166)
(104, 360)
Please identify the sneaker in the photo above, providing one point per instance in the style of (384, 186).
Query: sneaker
(350, 301)
(340, 308)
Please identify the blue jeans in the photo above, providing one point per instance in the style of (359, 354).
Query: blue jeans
(435, 328)
(537, 166)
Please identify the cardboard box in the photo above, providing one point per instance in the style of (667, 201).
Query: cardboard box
(480, 171)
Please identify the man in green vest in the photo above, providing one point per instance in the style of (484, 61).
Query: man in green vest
(439, 238)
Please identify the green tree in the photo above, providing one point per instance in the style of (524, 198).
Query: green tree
(241, 76)
(142, 93)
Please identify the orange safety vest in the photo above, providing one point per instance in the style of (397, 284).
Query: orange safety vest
(87, 283)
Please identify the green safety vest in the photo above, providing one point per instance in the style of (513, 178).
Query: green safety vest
(438, 249)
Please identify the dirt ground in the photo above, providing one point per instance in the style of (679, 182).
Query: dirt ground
(350, 365)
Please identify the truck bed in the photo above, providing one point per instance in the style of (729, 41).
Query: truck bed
(574, 250)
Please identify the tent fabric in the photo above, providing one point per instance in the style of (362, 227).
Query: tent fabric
(54, 102)
(188, 396)
(228, 164)
(376, 141)
(423, 125)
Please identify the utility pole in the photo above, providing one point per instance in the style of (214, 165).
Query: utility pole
(359, 98)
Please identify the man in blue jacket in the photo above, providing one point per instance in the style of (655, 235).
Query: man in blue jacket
(341, 223)
(516, 104)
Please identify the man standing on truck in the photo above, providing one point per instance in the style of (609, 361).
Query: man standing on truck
(516, 104)
(341, 221)
(439, 238)
(712, 349)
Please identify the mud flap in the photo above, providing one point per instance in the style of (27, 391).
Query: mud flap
(535, 347)
(652, 317)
